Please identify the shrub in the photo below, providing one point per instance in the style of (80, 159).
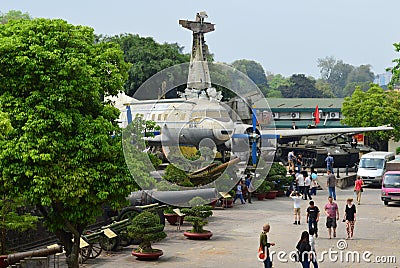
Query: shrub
(146, 227)
(198, 217)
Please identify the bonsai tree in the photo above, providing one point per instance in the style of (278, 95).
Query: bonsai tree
(264, 187)
(198, 217)
(146, 227)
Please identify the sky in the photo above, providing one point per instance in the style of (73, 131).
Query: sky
(286, 37)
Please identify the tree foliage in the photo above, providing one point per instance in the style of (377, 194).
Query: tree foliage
(252, 69)
(374, 107)
(342, 76)
(396, 68)
(61, 155)
(13, 15)
(146, 57)
(10, 219)
(300, 87)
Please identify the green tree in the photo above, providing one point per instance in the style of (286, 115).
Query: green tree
(13, 15)
(373, 108)
(146, 57)
(396, 68)
(9, 218)
(324, 88)
(350, 87)
(335, 72)
(61, 155)
(252, 69)
(274, 83)
(300, 87)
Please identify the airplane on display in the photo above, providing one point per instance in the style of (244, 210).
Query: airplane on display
(200, 114)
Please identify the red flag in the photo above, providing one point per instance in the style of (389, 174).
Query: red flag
(316, 115)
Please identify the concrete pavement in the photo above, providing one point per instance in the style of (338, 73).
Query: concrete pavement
(236, 232)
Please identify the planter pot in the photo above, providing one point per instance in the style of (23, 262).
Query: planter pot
(280, 193)
(198, 236)
(227, 203)
(3, 263)
(261, 196)
(173, 219)
(148, 256)
(271, 194)
(213, 203)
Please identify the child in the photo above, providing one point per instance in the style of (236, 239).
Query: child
(296, 205)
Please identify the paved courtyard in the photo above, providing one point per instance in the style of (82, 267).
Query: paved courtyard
(236, 231)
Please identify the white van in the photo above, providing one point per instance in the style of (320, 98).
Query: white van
(373, 165)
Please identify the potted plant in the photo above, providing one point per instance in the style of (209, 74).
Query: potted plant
(271, 194)
(172, 217)
(198, 217)
(262, 190)
(146, 227)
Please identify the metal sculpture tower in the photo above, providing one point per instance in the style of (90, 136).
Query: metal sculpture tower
(199, 75)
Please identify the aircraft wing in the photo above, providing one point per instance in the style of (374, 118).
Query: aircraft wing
(285, 133)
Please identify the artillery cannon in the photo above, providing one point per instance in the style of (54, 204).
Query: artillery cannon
(17, 257)
(110, 236)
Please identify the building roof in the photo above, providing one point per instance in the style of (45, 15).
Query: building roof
(302, 104)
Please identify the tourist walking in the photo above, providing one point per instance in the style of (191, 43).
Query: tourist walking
(239, 193)
(303, 247)
(358, 188)
(299, 162)
(265, 245)
(329, 162)
(250, 187)
(332, 216)
(313, 218)
(331, 184)
(350, 218)
(307, 185)
(291, 159)
(314, 182)
(313, 252)
(300, 182)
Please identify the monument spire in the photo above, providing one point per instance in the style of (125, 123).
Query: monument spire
(199, 75)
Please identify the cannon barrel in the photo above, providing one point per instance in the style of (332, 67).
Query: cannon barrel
(16, 257)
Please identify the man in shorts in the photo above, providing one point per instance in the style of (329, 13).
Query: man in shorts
(296, 206)
(332, 216)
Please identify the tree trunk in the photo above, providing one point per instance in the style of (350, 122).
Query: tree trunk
(73, 258)
(71, 247)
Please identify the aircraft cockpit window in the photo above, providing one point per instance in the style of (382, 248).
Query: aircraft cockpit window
(224, 114)
(198, 114)
(182, 116)
(153, 117)
(213, 114)
(159, 117)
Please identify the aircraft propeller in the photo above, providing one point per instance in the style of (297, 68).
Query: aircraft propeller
(253, 137)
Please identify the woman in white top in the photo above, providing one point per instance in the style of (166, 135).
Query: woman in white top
(307, 184)
(300, 183)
